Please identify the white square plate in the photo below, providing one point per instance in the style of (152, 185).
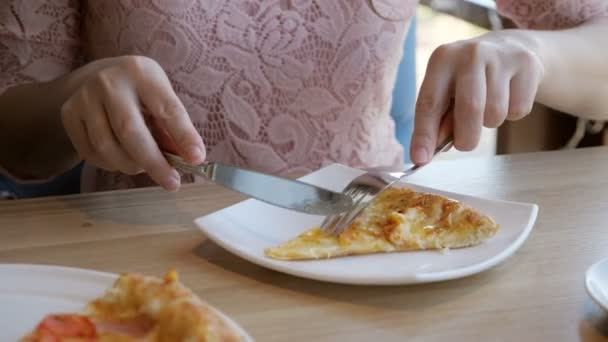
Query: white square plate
(249, 227)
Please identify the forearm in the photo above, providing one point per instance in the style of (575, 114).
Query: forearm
(575, 77)
(33, 143)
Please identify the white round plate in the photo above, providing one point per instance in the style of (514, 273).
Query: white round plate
(596, 282)
(29, 292)
(249, 227)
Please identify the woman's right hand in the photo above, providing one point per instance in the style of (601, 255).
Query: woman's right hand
(104, 119)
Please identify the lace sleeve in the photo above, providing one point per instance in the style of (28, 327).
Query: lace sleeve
(551, 14)
(39, 40)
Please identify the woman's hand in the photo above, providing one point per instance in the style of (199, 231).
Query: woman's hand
(485, 81)
(104, 119)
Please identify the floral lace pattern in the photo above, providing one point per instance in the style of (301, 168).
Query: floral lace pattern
(283, 86)
(279, 86)
(551, 14)
(39, 40)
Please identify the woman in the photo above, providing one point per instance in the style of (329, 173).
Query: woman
(280, 86)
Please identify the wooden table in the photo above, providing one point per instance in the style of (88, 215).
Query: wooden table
(536, 295)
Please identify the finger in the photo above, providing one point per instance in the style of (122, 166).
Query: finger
(105, 143)
(162, 137)
(169, 113)
(523, 87)
(131, 131)
(77, 133)
(497, 102)
(470, 100)
(433, 100)
(446, 128)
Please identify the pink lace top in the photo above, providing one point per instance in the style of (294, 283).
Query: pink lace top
(281, 86)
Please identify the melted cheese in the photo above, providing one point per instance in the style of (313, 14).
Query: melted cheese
(398, 220)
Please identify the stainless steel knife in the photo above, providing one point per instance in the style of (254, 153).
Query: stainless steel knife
(278, 191)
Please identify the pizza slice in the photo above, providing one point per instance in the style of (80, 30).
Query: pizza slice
(138, 308)
(399, 219)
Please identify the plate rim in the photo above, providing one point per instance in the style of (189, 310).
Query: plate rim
(51, 267)
(588, 287)
(412, 279)
(110, 277)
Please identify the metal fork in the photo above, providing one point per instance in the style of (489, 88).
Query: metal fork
(364, 189)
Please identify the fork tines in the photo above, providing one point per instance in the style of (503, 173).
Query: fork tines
(336, 224)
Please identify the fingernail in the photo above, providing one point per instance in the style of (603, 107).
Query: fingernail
(197, 154)
(174, 181)
(420, 155)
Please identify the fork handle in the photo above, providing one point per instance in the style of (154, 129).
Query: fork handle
(445, 145)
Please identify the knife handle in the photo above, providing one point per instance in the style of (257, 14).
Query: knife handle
(205, 170)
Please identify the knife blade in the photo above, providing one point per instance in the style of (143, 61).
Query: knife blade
(282, 192)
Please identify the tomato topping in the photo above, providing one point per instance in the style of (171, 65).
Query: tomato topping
(56, 327)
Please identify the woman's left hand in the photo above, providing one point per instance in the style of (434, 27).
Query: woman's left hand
(488, 80)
